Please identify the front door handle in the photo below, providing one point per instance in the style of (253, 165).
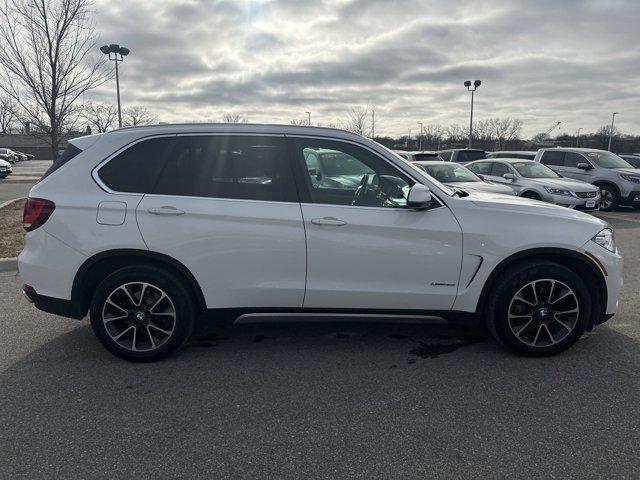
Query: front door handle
(165, 210)
(328, 221)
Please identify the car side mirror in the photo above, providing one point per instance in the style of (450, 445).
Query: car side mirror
(419, 197)
(509, 176)
(584, 166)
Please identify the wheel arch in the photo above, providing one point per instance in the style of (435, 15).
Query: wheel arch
(608, 183)
(571, 259)
(97, 267)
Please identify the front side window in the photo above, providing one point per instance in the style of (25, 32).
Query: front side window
(534, 170)
(499, 169)
(347, 174)
(228, 166)
(572, 160)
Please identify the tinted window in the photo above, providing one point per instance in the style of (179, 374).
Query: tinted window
(573, 159)
(446, 156)
(136, 169)
(499, 169)
(482, 168)
(427, 157)
(351, 175)
(465, 156)
(524, 156)
(241, 167)
(70, 152)
(551, 157)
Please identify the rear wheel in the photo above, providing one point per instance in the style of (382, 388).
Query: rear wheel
(142, 313)
(610, 197)
(538, 309)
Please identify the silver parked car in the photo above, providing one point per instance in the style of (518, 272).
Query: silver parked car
(459, 176)
(419, 156)
(619, 182)
(531, 179)
(523, 154)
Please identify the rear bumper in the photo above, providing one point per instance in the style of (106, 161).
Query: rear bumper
(56, 306)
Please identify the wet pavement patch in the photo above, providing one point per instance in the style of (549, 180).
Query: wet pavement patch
(437, 345)
(206, 341)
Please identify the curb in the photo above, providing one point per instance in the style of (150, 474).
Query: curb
(9, 202)
(8, 264)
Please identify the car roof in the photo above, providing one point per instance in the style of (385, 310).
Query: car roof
(462, 149)
(532, 152)
(515, 160)
(437, 162)
(236, 128)
(574, 149)
(422, 152)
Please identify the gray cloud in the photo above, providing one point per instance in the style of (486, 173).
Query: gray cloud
(271, 60)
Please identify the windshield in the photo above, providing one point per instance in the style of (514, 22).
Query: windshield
(607, 160)
(534, 170)
(451, 173)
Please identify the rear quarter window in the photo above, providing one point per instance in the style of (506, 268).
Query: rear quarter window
(69, 153)
(136, 169)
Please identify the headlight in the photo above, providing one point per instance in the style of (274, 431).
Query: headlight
(605, 239)
(630, 178)
(557, 191)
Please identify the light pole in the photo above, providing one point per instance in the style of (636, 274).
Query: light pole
(472, 89)
(309, 114)
(613, 119)
(420, 147)
(116, 53)
(578, 138)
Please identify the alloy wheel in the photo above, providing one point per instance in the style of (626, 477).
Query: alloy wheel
(543, 313)
(606, 199)
(139, 317)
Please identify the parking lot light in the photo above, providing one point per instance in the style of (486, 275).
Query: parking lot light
(116, 53)
(472, 89)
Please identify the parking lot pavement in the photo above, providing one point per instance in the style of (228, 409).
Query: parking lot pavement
(24, 175)
(321, 401)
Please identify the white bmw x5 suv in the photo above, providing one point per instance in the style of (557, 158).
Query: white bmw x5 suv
(148, 228)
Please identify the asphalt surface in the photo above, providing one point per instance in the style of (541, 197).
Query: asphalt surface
(321, 401)
(24, 175)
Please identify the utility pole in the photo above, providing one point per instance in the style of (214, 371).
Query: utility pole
(420, 141)
(116, 53)
(578, 138)
(373, 123)
(613, 119)
(309, 114)
(472, 89)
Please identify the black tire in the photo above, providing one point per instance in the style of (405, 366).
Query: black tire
(607, 189)
(502, 299)
(531, 195)
(179, 301)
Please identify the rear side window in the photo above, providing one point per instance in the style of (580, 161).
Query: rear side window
(465, 156)
(446, 156)
(70, 152)
(551, 157)
(136, 169)
(499, 169)
(433, 157)
(482, 168)
(239, 167)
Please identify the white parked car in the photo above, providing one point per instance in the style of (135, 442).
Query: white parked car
(146, 228)
(5, 169)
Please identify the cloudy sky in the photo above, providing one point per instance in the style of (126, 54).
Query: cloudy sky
(542, 61)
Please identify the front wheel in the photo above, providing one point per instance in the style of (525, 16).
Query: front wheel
(142, 313)
(538, 309)
(609, 197)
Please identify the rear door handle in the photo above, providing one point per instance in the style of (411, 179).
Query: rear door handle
(165, 210)
(328, 221)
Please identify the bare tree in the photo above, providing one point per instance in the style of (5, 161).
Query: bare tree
(45, 60)
(233, 118)
(359, 121)
(505, 130)
(456, 133)
(7, 113)
(100, 116)
(433, 135)
(299, 121)
(138, 115)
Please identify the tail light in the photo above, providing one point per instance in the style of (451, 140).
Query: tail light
(36, 212)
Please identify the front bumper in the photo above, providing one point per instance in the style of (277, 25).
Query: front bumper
(610, 264)
(577, 203)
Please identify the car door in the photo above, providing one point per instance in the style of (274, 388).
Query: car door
(226, 207)
(570, 168)
(365, 249)
(554, 159)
